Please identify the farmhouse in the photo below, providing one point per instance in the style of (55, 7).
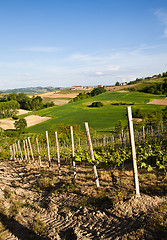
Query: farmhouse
(76, 88)
(155, 76)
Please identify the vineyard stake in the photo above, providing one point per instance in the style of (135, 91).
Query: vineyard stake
(14, 154)
(91, 153)
(58, 153)
(11, 153)
(48, 150)
(31, 149)
(21, 155)
(143, 134)
(28, 151)
(73, 152)
(16, 151)
(133, 149)
(25, 152)
(39, 156)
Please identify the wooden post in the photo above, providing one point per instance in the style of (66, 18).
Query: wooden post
(11, 153)
(29, 142)
(39, 155)
(132, 141)
(91, 153)
(20, 152)
(73, 152)
(58, 153)
(25, 152)
(48, 150)
(14, 152)
(143, 134)
(28, 151)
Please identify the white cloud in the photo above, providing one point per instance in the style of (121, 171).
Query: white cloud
(99, 73)
(113, 67)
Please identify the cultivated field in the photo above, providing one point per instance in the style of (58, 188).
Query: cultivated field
(38, 203)
(103, 118)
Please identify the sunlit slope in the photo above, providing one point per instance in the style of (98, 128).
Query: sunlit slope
(102, 118)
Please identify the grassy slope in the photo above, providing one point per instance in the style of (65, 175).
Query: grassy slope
(98, 118)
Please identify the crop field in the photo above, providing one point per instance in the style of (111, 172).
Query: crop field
(103, 118)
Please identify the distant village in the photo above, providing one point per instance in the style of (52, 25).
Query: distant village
(88, 88)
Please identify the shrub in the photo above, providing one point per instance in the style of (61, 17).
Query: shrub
(96, 104)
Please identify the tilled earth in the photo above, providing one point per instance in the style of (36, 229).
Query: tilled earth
(38, 203)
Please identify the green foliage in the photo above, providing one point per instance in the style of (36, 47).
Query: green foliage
(96, 104)
(21, 124)
(157, 88)
(118, 126)
(25, 102)
(94, 92)
(117, 83)
(8, 109)
(138, 113)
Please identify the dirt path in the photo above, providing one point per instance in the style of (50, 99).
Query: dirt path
(33, 208)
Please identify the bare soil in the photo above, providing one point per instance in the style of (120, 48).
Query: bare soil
(159, 101)
(58, 94)
(8, 123)
(38, 203)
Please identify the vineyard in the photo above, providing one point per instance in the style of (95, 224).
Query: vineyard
(71, 184)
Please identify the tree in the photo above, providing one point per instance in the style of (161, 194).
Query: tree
(118, 126)
(117, 84)
(21, 124)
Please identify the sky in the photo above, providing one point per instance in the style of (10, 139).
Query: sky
(62, 43)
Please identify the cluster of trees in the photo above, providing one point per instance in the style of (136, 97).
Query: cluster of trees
(163, 75)
(94, 92)
(8, 109)
(153, 117)
(25, 102)
(157, 88)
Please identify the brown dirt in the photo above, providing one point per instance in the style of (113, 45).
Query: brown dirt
(159, 101)
(39, 204)
(58, 94)
(8, 123)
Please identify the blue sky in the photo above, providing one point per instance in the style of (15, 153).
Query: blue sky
(61, 43)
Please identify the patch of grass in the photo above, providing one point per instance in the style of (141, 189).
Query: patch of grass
(98, 118)
(38, 226)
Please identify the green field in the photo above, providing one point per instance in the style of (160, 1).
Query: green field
(103, 118)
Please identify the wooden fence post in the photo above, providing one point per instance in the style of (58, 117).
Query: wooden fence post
(28, 151)
(132, 141)
(11, 153)
(39, 156)
(73, 152)
(25, 152)
(20, 152)
(29, 142)
(14, 152)
(143, 134)
(58, 153)
(91, 153)
(48, 150)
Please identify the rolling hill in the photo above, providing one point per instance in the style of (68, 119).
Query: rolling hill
(103, 118)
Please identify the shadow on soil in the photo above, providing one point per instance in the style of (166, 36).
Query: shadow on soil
(20, 231)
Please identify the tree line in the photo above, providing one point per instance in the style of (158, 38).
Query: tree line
(94, 92)
(9, 108)
(22, 101)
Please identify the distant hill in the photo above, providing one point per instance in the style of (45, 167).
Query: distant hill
(30, 90)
